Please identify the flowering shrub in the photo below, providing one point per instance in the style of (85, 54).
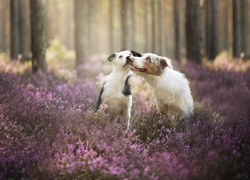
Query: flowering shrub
(228, 92)
(48, 130)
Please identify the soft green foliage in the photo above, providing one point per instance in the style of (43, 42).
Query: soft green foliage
(61, 61)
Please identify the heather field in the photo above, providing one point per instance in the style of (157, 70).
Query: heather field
(49, 130)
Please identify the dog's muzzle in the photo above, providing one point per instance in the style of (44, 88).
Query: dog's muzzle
(128, 61)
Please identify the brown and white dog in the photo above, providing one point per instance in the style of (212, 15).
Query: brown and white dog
(116, 92)
(170, 88)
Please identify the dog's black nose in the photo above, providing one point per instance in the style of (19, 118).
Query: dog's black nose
(129, 58)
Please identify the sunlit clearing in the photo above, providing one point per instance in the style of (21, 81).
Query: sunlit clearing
(224, 61)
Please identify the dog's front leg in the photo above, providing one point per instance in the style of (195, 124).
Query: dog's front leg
(125, 113)
(128, 112)
(128, 124)
(127, 117)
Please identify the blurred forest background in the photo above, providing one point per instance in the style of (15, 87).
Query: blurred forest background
(196, 30)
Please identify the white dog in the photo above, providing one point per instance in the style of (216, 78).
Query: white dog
(116, 92)
(170, 88)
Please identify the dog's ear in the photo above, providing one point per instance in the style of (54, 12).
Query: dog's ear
(110, 58)
(136, 54)
(165, 62)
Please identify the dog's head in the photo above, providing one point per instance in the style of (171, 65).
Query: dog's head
(149, 63)
(121, 59)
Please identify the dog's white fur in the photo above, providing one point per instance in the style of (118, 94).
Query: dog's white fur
(116, 88)
(169, 87)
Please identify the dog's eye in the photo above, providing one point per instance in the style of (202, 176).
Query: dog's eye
(120, 56)
(148, 59)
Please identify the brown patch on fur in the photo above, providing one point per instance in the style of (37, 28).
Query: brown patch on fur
(153, 66)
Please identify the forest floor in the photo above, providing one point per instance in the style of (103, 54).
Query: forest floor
(48, 129)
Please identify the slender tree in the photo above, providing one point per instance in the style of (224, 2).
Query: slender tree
(226, 18)
(38, 36)
(157, 27)
(111, 25)
(80, 31)
(162, 27)
(207, 27)
(193, 30)
(14, 49)
(24, 33)
(245, 28)
(236, 28)
(148, 26)
(176, 15)
(126, 24)
(3, 38)
(90, 20)
(133, 28)
(211, 28)
(153, 48)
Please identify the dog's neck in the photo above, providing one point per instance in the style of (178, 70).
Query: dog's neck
(116, 80)
(153, 79)
(121, 72)
(118, 76)
(165, 79)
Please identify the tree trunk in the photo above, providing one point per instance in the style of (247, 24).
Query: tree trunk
(3, 38)
(133, 26)
(245, 17)
(148, 26)
(24, 44)
(153, 49)
(111, 26)
(80, 31)
(38, 36)
(69, 32)
(176, 16)
(212, 28)
(226, 25)
(236, 28)
(158, 26)
(193, 31)
(90, 19)
(14, 49)
(126, 26)
(162, 27)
